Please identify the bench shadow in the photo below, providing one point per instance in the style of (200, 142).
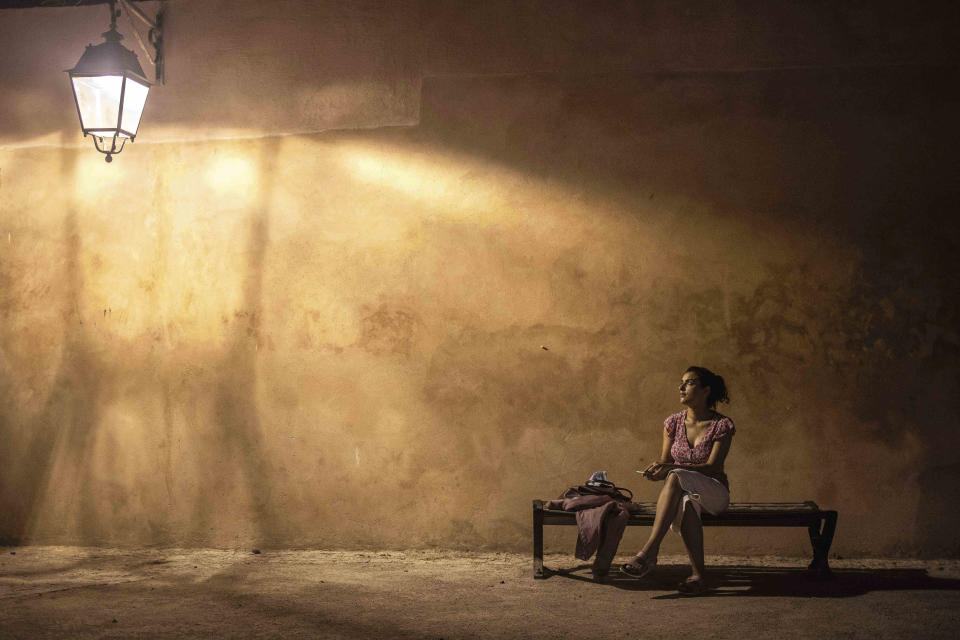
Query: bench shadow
(743, 580)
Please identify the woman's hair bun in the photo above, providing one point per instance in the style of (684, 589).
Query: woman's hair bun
(718, 388)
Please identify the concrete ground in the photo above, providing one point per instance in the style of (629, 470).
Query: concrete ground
(70, 592)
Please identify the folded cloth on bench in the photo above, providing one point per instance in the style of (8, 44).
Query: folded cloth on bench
(599, 530)
(703, 492)
(601, 520)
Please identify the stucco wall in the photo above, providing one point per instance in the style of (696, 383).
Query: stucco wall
(308, 306)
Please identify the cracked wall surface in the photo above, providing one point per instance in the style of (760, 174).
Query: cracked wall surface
(377, 276)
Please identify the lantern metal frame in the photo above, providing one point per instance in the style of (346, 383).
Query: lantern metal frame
(110, 58)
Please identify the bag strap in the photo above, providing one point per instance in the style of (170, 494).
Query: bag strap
(610, 489)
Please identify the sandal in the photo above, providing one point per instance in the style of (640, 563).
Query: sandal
(692, 587)
(638, 567)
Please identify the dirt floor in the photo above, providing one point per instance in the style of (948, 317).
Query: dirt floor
(71, 592)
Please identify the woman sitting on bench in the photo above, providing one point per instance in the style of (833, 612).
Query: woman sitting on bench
(695, 444)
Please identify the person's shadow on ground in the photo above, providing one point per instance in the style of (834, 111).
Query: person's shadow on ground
(744, 580)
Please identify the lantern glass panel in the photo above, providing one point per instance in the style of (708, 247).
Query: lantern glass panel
(98, 99)
(134, 98)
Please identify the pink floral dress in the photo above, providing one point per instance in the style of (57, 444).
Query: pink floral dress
(683, 452)
(700, 491)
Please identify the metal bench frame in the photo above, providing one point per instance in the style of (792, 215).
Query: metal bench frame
(820, 525)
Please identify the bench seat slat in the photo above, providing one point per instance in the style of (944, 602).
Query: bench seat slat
(726, 518)
(819, 523)
(736, 510)
(652, 509)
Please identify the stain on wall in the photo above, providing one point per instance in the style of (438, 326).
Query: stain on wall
(335, 338)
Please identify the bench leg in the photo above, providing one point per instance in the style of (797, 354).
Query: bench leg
(537, 541)
(821, 537)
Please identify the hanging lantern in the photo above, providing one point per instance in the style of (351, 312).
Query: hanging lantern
(110, 90)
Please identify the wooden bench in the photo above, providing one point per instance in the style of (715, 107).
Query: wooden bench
(820, 524)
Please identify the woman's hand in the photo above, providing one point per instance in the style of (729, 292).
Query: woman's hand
(661, 471)
(646, 472)
(657, 471)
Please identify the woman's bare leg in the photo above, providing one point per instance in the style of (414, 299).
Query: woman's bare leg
(667, 505)
(691, 530)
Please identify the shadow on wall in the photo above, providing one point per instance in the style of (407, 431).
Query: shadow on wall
(59, 437)
(237, 432)
(76, 472)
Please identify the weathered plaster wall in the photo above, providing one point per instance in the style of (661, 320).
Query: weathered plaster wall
(334, 338)
(233, 69)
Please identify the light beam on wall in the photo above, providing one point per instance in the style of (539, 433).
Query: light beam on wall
(232, 180)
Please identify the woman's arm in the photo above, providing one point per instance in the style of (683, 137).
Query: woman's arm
(665, 456)
(663, 463)
(719, 453)
(714, 464)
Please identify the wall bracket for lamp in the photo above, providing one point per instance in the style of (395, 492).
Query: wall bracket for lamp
(154, 34)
